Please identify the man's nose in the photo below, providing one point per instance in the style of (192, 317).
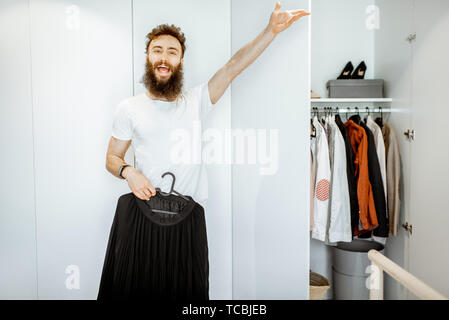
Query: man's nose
(164, 57)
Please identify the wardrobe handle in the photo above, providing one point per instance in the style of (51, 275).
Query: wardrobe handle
(408, 227)
(410, 134)
(411, 37)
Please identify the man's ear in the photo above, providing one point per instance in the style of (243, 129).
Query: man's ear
(182, 62)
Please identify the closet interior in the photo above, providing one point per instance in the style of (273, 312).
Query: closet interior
(390, 43)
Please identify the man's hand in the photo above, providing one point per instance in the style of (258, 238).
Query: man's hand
(281, 20)
(138, 183)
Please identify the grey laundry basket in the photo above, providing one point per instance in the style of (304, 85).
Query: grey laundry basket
(350, 260)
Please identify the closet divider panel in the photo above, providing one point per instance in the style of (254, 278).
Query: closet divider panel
(18, 279)
(270, 196)
(81, 68)
(207, 28)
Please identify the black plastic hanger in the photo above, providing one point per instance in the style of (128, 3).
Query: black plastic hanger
(368, 114)
(165, 194)
(312, 127)
(322, 121)
(337, 116)
(380, 121)
(356, 118)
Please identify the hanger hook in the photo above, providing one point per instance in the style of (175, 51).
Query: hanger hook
(172, 185)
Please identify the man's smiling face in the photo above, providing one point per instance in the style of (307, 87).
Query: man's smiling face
(165, 54)
(163, 75)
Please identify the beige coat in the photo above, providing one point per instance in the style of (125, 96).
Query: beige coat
(393, 162)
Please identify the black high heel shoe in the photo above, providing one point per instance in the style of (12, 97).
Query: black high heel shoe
(359, 72)
(346, 73)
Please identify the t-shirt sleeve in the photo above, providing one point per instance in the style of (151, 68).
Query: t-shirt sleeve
(206, 104)
(121, 125)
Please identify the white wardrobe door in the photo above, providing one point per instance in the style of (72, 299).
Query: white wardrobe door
(270, 198)
(17, 215)
(429, 257)
(81, 69)
(206, 25)
(394, 64)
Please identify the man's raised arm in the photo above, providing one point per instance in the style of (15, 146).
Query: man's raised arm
(279, 21)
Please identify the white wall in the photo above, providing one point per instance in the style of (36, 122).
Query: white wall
(270, 212)
(339, 35)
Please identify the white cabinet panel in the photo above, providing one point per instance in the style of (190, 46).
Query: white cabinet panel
(81, 69)
(394, 64)
(429, 215)
(18, 279)
(206, 26)
(416, 80)
(271, 212)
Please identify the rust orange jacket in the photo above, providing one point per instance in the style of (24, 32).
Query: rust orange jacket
(367, 213)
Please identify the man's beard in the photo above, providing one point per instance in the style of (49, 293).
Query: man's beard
(170, 88)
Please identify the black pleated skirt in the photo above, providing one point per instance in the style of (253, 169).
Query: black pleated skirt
(153, 255)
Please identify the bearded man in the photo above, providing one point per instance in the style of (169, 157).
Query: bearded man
(150, 119)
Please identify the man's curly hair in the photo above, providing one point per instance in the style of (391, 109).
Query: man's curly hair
(170, 30)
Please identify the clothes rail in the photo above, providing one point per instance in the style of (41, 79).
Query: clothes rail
(350, 110)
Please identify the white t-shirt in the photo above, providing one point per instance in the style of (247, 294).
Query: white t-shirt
(161, 131)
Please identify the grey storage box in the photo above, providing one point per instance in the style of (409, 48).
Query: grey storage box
(350, 262)
(356, 88)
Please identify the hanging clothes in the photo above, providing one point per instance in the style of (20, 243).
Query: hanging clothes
(330, 144)
(380, 149)
(156, 256)
(350, 173)
(322, 182)
(367, 210)
(375, 177)
(312, 183)
(339, 208)
(393, 164)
